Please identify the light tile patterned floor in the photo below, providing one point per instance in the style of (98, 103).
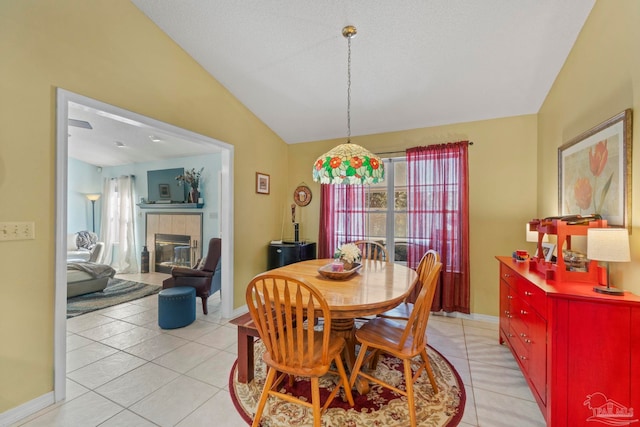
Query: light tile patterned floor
(123, 370)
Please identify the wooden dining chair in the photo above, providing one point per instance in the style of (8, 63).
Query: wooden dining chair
(280, 306)
(404, 341)
(372, 250)
(403, 311)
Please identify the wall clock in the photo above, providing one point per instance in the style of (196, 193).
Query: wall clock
(302, 195)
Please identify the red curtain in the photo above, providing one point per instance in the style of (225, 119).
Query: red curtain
(342, 217)
(438, 217)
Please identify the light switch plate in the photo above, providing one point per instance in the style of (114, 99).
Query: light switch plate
(17, 231)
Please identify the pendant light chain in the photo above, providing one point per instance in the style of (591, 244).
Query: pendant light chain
(348, 164)
(349, 90)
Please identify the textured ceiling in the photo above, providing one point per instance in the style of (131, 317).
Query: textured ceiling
(415, 63)
(103, 139)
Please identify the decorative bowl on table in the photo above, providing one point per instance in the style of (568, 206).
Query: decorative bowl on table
(330, 272)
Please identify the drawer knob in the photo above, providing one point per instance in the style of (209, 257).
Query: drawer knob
(509, 296)
(524, 312)
(527, 293)
(523, 357)
(510, 316)
(522, 334)
(510, 335)
(507, 275)
(528, 341)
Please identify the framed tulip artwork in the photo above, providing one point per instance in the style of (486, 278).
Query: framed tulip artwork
(594, 172)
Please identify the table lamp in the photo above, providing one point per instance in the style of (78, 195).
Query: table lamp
(608, 245)
(532, 236)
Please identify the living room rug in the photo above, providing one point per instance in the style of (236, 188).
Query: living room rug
(116, 292)
(380, 407)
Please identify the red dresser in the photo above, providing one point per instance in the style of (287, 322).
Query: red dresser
(578, 350)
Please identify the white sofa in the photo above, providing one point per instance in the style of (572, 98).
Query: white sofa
(78, 254)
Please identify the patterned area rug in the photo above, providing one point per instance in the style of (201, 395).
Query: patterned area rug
(116, 292)
(380, 407)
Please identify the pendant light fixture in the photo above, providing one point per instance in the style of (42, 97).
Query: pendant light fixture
(348, 163)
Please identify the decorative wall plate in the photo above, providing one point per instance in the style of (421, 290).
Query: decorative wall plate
(302, 195)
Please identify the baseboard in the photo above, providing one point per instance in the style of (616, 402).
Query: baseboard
(23, 411)
(239, 311)
(472, 316)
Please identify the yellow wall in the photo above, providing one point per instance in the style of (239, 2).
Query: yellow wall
(600, 78)
(502, 168)
(107, 50)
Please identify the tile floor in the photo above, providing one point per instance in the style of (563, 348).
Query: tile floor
(123, 370)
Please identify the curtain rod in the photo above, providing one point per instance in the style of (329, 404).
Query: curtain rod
(403, 151)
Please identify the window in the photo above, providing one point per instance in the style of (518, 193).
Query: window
(387, 222)
(422, 204)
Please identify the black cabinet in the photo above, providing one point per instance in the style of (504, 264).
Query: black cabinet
(287, 253)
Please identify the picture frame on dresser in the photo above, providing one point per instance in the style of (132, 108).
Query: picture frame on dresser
(594, 172)
(547, 251)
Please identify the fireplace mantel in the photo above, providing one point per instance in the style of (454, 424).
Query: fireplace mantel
(162, 206)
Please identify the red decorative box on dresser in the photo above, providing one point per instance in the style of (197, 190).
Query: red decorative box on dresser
(578, 350)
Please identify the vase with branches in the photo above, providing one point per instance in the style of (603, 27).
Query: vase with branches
(192, 178)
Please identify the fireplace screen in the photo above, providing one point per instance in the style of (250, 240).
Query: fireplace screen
(172, 250)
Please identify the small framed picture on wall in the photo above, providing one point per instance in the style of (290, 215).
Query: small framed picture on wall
(262, 183)
(165, 191)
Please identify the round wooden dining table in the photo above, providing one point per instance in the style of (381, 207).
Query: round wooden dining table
(375, 288)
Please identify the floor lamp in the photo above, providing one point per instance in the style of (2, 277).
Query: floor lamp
(93, 198)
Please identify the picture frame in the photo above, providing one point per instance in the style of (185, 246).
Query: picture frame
(547, 251)
(165, 191)
(594, 172)
(262, 183)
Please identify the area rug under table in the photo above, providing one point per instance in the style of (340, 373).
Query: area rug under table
(116, 292)
(379, 407)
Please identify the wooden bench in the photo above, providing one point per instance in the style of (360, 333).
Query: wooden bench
(246, 332)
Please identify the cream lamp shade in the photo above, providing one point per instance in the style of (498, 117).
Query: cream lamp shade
(608, 244)
(532, 236)
(93, 197)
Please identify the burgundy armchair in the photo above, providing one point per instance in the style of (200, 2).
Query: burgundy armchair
(198, 278)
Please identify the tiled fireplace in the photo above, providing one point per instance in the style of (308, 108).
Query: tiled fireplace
(173, 239)
(172, 250)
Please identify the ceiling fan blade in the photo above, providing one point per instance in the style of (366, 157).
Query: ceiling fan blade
(80, 124)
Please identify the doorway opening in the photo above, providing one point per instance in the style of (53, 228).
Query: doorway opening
(65, 100)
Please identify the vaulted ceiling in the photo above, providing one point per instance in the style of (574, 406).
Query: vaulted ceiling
(415, 63)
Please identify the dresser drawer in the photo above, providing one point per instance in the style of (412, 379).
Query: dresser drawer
(532, 295)
(508, 275)
(518, 316)
(519, 349)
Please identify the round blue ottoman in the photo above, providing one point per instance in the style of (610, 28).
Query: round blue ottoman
(176, 307)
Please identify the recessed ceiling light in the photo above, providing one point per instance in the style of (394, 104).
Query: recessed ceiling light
(155, 138)
(119, 144)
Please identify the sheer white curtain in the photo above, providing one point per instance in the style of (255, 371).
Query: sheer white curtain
(118, 224)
